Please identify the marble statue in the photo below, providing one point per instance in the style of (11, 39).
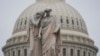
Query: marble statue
(44, 35)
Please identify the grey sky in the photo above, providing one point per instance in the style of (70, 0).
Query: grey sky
(11, 9)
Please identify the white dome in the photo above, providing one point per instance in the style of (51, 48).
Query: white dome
(71, 19)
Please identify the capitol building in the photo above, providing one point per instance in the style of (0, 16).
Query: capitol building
(74, 33)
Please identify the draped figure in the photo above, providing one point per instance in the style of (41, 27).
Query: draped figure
(51, 40)
(34, 36)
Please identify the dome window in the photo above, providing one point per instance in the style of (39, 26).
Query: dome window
(18, 52)
(78, 52)
(9, 54)
(61, 20)
(77, 23)
(72, 22)
(71, 52)
(13, 53)
(84, 53)
(21, 23)
(67, 21)
(25, 52)
(64, 51)
(81, 23)
(25, 21)
(88, 54)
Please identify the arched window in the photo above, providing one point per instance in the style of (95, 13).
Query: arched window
(18, 52)
(67, 21)
(9, 54)
(81, 23)
(61, 20)
(25, 21)
(88, 54)
(25, 52)
(77, 23)
(73, 22)
(71, 52)
(21, 23)
(64, 51)
(84, 53)
(78, 52)
(13, 53)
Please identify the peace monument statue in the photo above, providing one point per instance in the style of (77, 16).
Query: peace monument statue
(44, 35)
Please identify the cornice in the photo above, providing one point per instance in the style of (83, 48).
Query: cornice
(7, 46)
(82, 44)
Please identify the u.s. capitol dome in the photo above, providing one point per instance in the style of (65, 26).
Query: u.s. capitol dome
(75, 38)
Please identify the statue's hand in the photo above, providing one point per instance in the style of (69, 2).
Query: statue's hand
(39, 36)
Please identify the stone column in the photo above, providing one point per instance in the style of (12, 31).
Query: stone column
(15, 52)
(81, 51)
(11, 52)
(68, 51)
(75, 51)
(86, 51)
(61, 51)
(92, 53)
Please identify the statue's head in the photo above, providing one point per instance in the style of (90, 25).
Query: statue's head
(47, 11)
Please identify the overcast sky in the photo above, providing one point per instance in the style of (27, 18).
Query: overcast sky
(11, 9)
